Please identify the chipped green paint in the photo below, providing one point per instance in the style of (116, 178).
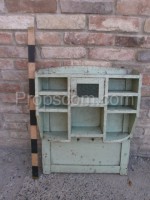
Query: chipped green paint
(82, 134)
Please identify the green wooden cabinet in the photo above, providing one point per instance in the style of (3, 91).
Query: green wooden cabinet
(86, 117)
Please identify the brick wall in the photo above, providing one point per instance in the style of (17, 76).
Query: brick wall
(109, 33)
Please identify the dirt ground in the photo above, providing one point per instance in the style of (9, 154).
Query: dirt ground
(16, 182)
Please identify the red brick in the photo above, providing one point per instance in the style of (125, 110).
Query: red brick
(145, 103)
(19, 135)
(6, 38)
(8, 98)
(63, 52)
(139, 132)
(4, 134)
(21, 64)
(2, 6)
(111, 54)
(13, 52)
(53, 38)
(48, 63)
(6, 64)
(9, 87)
(7, 108)
(134, 66)
(14, 75)
(147, 25)
(11, 22)
(25, 109)
(30, 6)
(146, 91)
(132, 41)
(16, 117)
(61, 21)
(25, 87)
(86, 63)
(146, 42)
(21, 37)
(134, 7)
(15, 126)
(143, 113)
(75, 38)
(87, 6)
(146, 69)
(149, 114)
(143, 56)
(129, 41)
(147, 132)
(143, 122)
(146, 79)
(109, 23)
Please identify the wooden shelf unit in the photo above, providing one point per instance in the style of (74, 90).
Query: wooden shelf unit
(81, 104)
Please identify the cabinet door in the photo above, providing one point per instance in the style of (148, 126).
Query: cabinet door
(87, 91)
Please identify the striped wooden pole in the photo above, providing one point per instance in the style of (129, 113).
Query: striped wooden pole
(33, 122)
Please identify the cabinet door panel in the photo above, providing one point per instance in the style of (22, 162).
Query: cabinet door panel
(87, 91)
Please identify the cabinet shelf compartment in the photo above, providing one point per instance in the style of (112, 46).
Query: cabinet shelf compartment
(82, 131)
(52, 103)
(56, 135)
(55, 126)
(119, 126)
(52, 86)
(53, 108)
(87, 122)
(121, 109)
(123, 93)
(122, 104)
(55, 92)
(124, 86)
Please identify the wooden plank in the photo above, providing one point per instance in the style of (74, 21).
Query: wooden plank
(34, 147)
(32, 87)
(31, 70)
(139, 97)
(35, 172)
(33, 123)
(40, 75)
(121, 109)
(84, 169)
(124, 157)
(46, 158)
(47, 93)
(34, 159)
(31, 103)
(33, 132)
(31, 36)
(33, 120)
(85, 152)
(123, 93)
(52, 108)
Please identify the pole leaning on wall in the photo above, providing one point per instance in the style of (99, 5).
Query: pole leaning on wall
(33, 122)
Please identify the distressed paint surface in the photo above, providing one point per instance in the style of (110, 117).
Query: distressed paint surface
(94, 137)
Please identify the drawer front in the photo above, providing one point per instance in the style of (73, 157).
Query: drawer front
(87, 91)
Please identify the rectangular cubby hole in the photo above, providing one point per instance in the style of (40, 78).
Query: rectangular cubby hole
(123, 85)
(119, 126)
(53, 101)
(87, 121)
(53, 84)
(122, 102)
(55, 125)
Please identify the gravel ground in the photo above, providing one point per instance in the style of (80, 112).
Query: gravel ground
(16, 182)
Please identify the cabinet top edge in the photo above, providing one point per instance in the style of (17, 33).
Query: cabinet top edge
(85, 70)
